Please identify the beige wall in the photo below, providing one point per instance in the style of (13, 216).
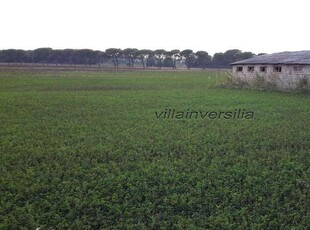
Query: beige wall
(287, 78)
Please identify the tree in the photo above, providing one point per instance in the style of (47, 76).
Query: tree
(20, 56)
(245, 55)
(158, 58)
(114, 54)
(159, 55)
(218, 60)
(99, 57)
(7, 56)
(189, 57)
(13, 56)
(42, 55)
(144, 56)
(224, 59)
(232, 56)
(131, 55)
(67, 56)
(173, 56)
(29, 56)
(88, 56)
(203, 59)
(56, 57)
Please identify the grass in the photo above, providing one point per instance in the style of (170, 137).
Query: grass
(84, 150)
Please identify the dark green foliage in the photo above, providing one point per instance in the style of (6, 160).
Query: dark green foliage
(189, 57)
(42, 55)
(130, 54)
(303, 83)
(84, 150)
(160, 55)
(224, 59)
(146, 58)
(114, 54)
(203, 59)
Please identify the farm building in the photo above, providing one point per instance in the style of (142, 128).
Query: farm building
(283, 70)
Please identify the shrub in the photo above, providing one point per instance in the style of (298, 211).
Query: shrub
(302, 83)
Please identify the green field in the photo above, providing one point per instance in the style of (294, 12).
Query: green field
(85, 150)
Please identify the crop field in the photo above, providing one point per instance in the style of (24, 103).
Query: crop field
(125, 150)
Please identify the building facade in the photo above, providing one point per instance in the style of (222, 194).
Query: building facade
(283, 70)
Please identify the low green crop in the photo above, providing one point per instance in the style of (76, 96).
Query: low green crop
(85, 150)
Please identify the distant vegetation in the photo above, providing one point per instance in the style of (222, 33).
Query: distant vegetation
(128, 57)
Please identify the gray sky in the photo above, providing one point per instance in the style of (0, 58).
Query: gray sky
(214, 26)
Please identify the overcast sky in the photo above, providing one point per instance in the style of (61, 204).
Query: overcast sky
(214, 26)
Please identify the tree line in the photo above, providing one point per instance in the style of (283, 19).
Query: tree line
(129, 57)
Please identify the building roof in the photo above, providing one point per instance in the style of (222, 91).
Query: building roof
(287, 58)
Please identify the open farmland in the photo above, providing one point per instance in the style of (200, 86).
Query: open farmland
(85, 150)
